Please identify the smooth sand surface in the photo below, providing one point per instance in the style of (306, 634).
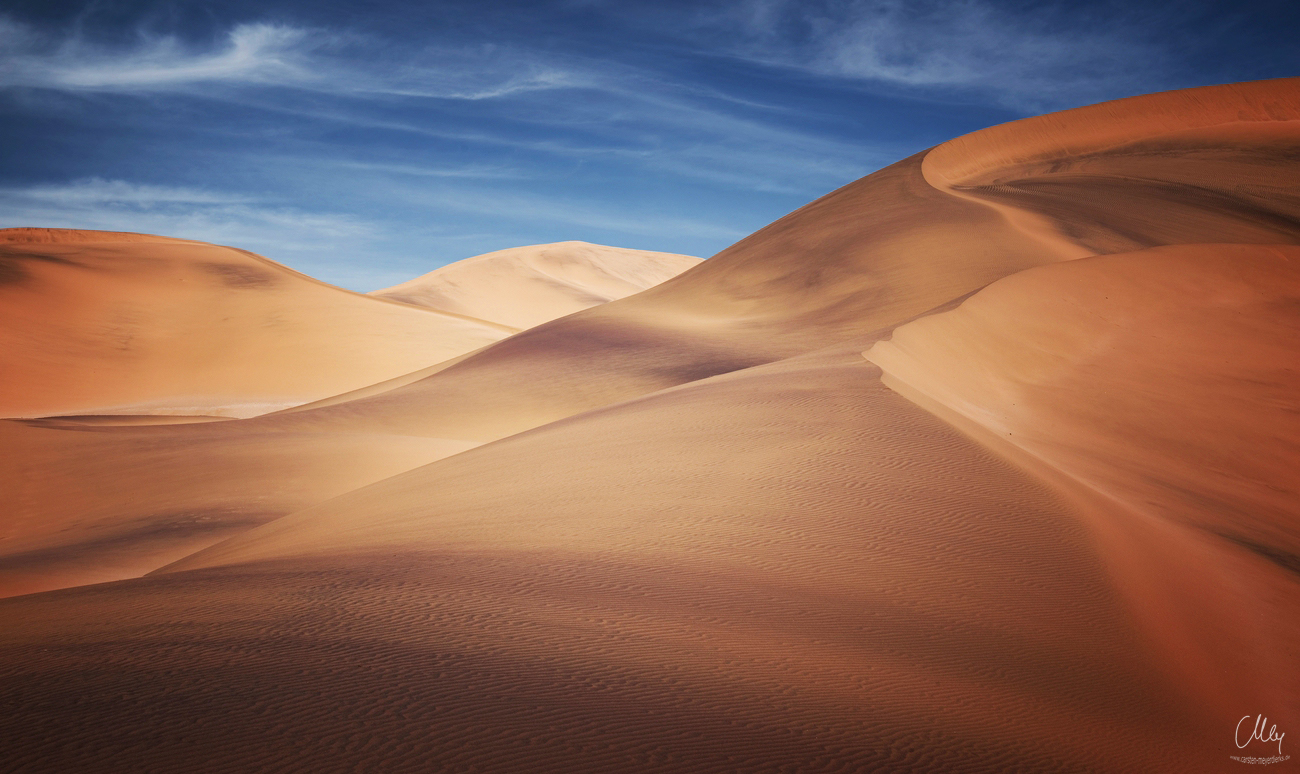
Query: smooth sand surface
(102, 323)
(749, 573)
(1046, 524)
(527, 286)
(97, 497)
(86, 503)
(1167, 383)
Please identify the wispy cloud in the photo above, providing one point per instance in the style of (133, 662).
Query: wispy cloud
(472, 171)
(616, 110)
(118, 205)
(1024, 56)
(252, 53)
(97, 191)
(270, 55)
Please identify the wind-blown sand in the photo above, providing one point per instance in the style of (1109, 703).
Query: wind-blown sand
(1047, 523)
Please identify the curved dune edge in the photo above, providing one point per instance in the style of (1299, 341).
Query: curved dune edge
(1079, 132)
(37, 235)
(1207, 119)
(1160, 385)
(523, 287)
(175, 327)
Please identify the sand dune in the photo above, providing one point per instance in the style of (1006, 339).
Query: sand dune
(1048, 523)
(751, 572)
(101, 323)
(1165, 381)
(87, 503)
(527, 286)
(123, 500)
(896, 244)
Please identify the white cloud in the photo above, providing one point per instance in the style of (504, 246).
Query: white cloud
(253, 53)
(118, 205)
(632, 113)
(97, 191)
(1030, 57)
(259, 54)
(472, 171)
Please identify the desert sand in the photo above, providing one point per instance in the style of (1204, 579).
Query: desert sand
(985, 462)
(526, 286)
(100, 494)
(107, 323)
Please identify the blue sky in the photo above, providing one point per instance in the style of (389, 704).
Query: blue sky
(366, 142)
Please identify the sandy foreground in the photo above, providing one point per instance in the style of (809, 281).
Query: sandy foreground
(985, 462)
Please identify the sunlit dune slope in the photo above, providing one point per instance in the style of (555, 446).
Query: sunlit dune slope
(526, 286)
(1168, 382)
(1168, 378)
(787, 566)
(87, 502)
(96, 322)
(102, 497)
(1218, 165)
(869, 255)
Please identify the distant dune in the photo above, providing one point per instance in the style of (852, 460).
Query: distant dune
(527, 286)
(985, 462)
(102, 323)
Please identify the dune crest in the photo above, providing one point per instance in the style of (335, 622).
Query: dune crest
(171, 326)
(526, 286)
(1074, 136)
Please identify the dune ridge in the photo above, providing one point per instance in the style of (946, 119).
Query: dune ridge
(171, 326)
(527, 286)
(102, 492)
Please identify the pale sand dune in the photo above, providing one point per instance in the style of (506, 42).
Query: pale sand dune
(99, 506)
(753, 572)
(100, 323)
(527, 286)
(881, 250)
(822, 274)
(733, 548)
(1167, 377)
(1167, 381)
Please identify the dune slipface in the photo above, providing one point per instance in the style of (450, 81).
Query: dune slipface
(1047, 523)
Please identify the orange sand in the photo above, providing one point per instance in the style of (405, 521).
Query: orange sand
(101, 323)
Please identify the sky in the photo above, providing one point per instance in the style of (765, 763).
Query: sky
(369, 141)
